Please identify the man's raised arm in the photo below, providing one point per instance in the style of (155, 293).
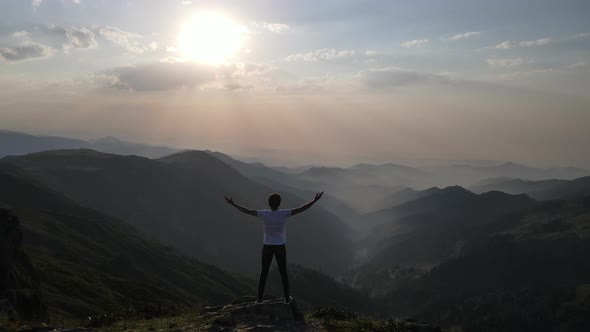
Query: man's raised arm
(231, 202)
(307, 205)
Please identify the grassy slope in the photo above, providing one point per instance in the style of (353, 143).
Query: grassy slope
(534, 275)
(91, 263)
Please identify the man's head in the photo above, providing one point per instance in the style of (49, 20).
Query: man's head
(274, 200)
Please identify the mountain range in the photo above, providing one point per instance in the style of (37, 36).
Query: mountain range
(540, 190)
(17, 143)
(530, 274)
(178, 200)
(103, 231)
(415, 236)
(361, 187)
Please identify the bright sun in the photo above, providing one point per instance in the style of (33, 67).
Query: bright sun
(210, 37)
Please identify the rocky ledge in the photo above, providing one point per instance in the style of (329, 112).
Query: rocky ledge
(241, 315)
(245, 315)
(273, 315)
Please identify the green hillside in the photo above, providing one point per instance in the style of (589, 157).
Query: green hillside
(533, 275)
(90, 263)
(411, 238)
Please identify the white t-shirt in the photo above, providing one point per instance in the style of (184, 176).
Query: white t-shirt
(274, 225)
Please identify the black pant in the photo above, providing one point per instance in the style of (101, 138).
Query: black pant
(280, 252)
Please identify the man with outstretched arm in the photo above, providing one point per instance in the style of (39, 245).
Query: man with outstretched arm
(275, 237)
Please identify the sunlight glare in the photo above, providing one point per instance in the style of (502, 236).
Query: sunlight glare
(210, 37)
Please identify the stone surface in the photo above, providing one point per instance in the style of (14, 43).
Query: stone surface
(20, 295)
(54, 329)
(244, 315)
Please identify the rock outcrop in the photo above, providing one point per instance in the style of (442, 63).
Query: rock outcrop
(244, 315)
(19, 284)
(273, 315)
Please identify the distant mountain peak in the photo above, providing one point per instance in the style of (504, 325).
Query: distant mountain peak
(322, 170)
(187, 153)
(74, 152)
(455, 189)
(17, 143)
(194, 158)
(512, 165)
(432, 190)
(386, 165)
(107, 139)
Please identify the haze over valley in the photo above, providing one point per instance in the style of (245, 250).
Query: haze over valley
(408, 165)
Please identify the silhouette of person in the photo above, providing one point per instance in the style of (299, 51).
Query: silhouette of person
(274, 238)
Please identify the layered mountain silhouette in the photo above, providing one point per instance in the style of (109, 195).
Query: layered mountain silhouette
(17, 143)
(368, 187)
(88, 262)
(541, 190)
(179, 200)
(261, 172)
(404, 196)
(529, 275)
(288, 183)
(467, 175)
(84, 232)
(411, 238)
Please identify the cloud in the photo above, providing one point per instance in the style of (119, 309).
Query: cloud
(159, 76)
(508, 62)
(528, 73)
(505, 45)
(252, 69)
(234, 86)
(543, 41)
(276, 27)
(80, 38)
(25, 35)
(321, 55)
(527, 43)
(415, 43)
(578, 65)
(395, 77)
(75, 38)
(37, 3)
(56, 36)
(465, 35)
(25, 52)
(72, 37)
(266, 26)
(583, 35)
(171, 74)
(538, 42)
(126, 40)
(312, 85)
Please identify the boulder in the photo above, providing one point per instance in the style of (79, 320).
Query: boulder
(245, 315)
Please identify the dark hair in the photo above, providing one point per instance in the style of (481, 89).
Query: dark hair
(274, 200)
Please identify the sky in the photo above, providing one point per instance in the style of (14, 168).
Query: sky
(325, 82)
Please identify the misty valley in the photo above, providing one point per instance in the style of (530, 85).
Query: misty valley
(95, 227)
(294, 166)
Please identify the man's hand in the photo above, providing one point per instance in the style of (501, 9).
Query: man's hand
(318, 196)
(307, 205)
(229, 200)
